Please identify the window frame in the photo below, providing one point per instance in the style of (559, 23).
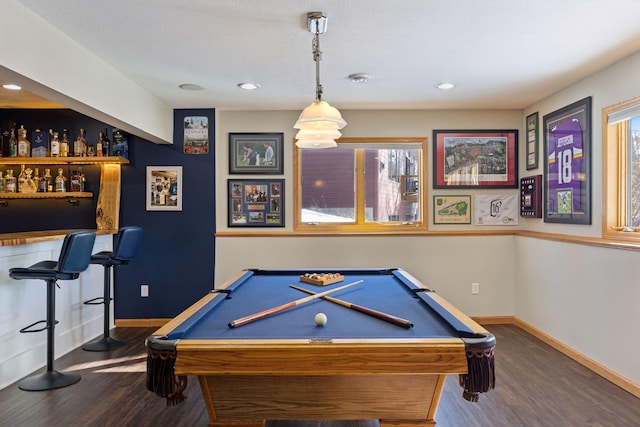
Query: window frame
(615, 177)
(360, 225)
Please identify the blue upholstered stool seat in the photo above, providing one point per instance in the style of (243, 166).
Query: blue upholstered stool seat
(73, 260)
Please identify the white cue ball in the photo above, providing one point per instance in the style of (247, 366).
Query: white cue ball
(320, 319)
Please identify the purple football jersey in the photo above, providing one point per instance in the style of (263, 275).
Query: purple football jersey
(565, 173)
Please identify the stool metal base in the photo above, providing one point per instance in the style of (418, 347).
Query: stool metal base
(49, 380)
(104, 344)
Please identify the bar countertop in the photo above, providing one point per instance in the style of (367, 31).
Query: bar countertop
(27, 237)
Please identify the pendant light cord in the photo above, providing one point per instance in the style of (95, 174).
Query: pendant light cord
(317, 57)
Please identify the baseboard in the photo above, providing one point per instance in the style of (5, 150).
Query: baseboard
(585, 361)
(495, 320)
(140, 323)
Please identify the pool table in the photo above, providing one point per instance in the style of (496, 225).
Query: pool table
(356, 366)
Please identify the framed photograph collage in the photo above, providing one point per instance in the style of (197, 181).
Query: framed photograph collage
(256, 203)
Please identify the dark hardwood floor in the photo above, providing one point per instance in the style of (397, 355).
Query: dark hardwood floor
(536, 386)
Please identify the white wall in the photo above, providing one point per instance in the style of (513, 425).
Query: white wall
(23, 302)
(361, 123)
(586, 297)
(447, 264)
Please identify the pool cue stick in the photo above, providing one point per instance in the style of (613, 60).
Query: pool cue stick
(371, 312)
(268, 312)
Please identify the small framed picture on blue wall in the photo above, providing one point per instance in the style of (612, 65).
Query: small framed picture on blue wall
(164, 188)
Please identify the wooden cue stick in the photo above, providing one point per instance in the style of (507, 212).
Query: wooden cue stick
(268, 312)
(371, 312)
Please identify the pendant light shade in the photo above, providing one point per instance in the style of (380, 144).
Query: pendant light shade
(319, 122)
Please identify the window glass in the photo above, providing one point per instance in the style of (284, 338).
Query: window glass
(328, 186)
(621, 182)
(633, 145)
(363, 184)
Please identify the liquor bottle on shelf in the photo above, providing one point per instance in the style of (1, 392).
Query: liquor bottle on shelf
(13, 144)
(64, 144)
(61, 181)
(77, 147)
(29, 185)
(2, 182)
(83, 180)
(55, 145)
(24, 145)
(77, 181)
(47, 181)
(120, 145)
(99, 144)
(37, 180)
(80, 145)
(49, 139)
(10, 182)
(22, 177)
(106, 144)
(39, 145)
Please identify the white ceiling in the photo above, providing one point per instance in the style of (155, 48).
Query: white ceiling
(501, 54)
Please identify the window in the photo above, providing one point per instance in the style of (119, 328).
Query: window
(365, 184)
(621, 186)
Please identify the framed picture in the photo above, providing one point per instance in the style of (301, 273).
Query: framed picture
(164, 188)
(196, 135)
(495, 209)
(567, 164)
(475, 158)
(256, 153)
(452, 209)
(531, 196)
(532, 141)
(256, 203)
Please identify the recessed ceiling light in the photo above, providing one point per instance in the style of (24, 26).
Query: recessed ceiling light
(11, 86)
(445, 86)
(359, 77)
(248, 86)
(191, 86)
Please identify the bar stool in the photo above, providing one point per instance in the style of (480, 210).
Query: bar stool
(126, 246)
(74, 259)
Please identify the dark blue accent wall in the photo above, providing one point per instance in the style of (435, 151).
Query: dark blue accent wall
(176, 255)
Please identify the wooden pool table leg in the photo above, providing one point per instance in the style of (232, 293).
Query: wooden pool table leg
(208, 401)
(435, 400)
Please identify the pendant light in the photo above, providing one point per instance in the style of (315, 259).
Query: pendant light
(319, 123)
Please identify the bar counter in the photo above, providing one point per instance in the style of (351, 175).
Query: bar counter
(27, 237)
(23, 302)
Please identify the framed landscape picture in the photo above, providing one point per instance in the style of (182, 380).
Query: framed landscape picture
(256, 203)
(567, 164)
(256, 153)
(475, 158)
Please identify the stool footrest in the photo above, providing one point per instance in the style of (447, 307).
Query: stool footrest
(28, 329)
(96, 301)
